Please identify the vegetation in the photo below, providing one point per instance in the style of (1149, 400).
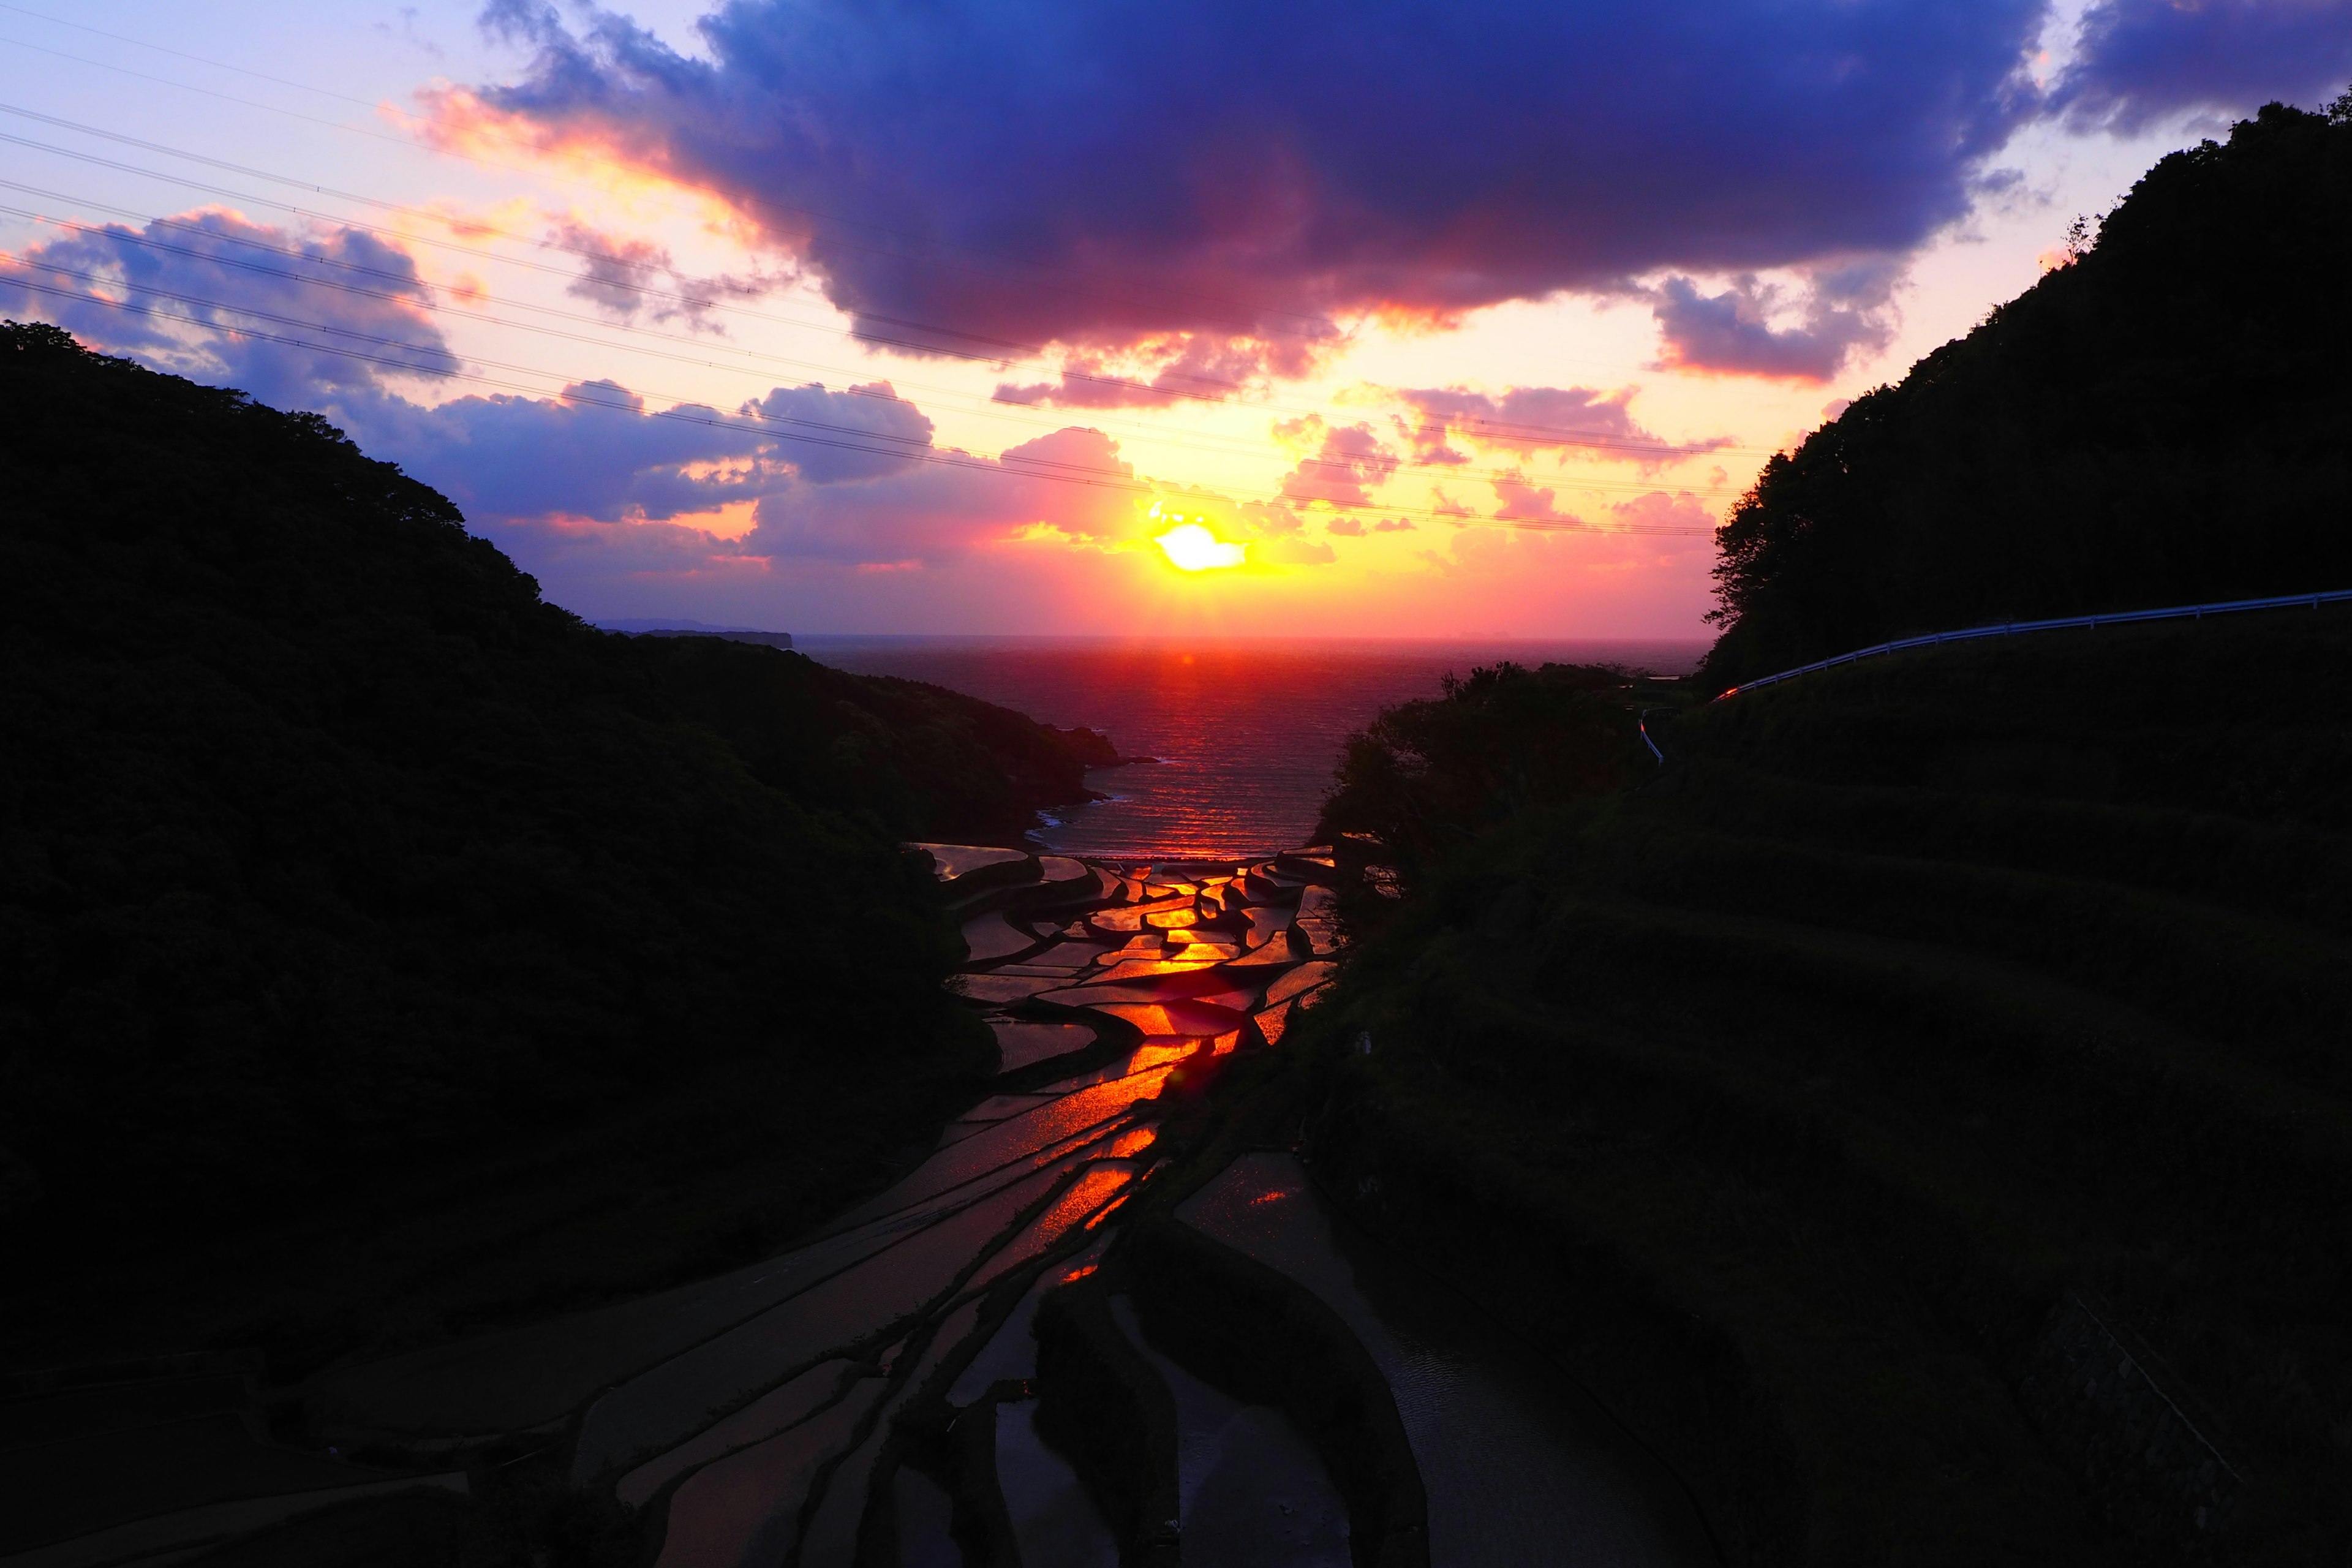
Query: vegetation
(1788, 1095)
(382, 948)
(1817, 1095)
(2162, 421)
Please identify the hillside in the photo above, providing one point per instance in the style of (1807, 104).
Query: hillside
(1798, 1097)
(1919, 1107)
(349, 891)
(2162, 422)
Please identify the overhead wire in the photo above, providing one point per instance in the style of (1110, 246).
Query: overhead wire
(1500, 431)
(731, 198)
(410, 292)
(1503, 432)
(816, 434)
(734, 198)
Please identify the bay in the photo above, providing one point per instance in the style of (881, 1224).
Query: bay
(1247, 731)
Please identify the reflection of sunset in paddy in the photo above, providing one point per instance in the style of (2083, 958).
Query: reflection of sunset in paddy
(1192, 1018)
(1134, 1141)
(1092, 1188)
(1162, 1053)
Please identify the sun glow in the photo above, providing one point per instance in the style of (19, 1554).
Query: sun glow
(1193, 548)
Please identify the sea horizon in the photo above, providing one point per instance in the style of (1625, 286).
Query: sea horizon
(1245, 732)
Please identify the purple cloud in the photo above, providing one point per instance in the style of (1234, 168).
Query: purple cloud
(968, 181)
(213, 296)
(1535, 418)
(597, 452)
(592, 453)
(1526, 507)
(928, 514)
(2138, 60)
(830, 436)
(1841, 312)
(626, 279)
(851, 477)
(1350, 463)
(1189, 366)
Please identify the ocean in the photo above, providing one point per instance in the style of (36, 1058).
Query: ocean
(1246, 732)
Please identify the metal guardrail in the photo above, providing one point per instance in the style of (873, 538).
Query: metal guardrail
(2010, 628)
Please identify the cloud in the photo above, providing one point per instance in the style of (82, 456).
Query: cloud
(1679, 515)
(1105, 176)
(933, 513)
(1524, 505)
(1187, 366)
(1298, 552)
(626, 279)
(597, 452)
(1843, 312)
(1350, 463)
(1353, 527)
(851, 476)
(2139, 60)
(860, 434)
(1535, 418)
(592, 453)
(213, 296)
(1682, 514)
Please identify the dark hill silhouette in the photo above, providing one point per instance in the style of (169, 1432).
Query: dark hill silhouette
(1796, 1091)
(2164, 421)
(1919, 1107)
(344, 883)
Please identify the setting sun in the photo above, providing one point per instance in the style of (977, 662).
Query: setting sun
(1193, 548)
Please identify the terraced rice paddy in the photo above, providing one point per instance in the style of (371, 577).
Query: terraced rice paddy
(884, 1406)
(875, 1395)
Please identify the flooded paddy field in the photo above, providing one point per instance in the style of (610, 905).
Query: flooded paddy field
(966, 1369)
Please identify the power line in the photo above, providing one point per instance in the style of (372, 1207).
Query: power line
(1504, 432)
(1252, 327)
(1060, 472)
(427, 216)
(408, 292)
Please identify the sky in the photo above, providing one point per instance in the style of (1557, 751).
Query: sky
(1372, 320)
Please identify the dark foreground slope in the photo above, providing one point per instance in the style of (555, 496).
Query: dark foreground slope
(1797, 1096)
(2162, 422)
(378, 942)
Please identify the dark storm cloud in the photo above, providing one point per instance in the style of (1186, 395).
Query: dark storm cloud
(980, 179)
(2138, 60)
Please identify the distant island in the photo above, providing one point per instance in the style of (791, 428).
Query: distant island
(684, 628)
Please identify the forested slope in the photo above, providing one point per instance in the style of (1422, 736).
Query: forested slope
(345, 884)
(2162, 422)
(1921, 1108)
(1794, 1095)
